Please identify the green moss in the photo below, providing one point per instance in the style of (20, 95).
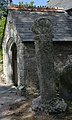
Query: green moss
(2, 24)
(1, 55)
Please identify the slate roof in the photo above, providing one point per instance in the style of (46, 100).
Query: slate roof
(66, 4)
(62, 24)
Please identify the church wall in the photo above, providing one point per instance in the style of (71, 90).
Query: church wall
(30, 68)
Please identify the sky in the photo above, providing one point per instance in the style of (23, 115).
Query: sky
(37, 2)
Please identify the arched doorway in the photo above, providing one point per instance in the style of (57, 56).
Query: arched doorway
(14, 64)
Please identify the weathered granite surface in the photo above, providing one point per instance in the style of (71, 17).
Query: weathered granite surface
(48, 101)
(54, 106)
(42, 28)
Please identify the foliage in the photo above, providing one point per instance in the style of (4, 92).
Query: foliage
(2, 23)
(3, 8)
(21, 3)
(31, 3)
(26, 4)
(3, 5)
(3, 14)
(1, 56)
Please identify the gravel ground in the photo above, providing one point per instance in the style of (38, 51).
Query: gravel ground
(14, 107)
(7, 96)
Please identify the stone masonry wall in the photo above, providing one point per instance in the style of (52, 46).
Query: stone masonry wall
(63, 68)
(62, 55)
(26, 59)
(30, 69)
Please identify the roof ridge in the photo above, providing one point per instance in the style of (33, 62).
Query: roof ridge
(37, 9)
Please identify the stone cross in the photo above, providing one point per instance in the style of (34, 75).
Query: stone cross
(42, 29)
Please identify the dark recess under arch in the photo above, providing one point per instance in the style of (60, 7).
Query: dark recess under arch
(14, 64)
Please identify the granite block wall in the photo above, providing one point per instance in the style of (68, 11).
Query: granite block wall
(30, 68)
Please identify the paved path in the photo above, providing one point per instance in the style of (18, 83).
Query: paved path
(7, 96)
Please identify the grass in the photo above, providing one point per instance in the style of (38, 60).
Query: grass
(1, 62)
(2, 24)
(1, 55)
